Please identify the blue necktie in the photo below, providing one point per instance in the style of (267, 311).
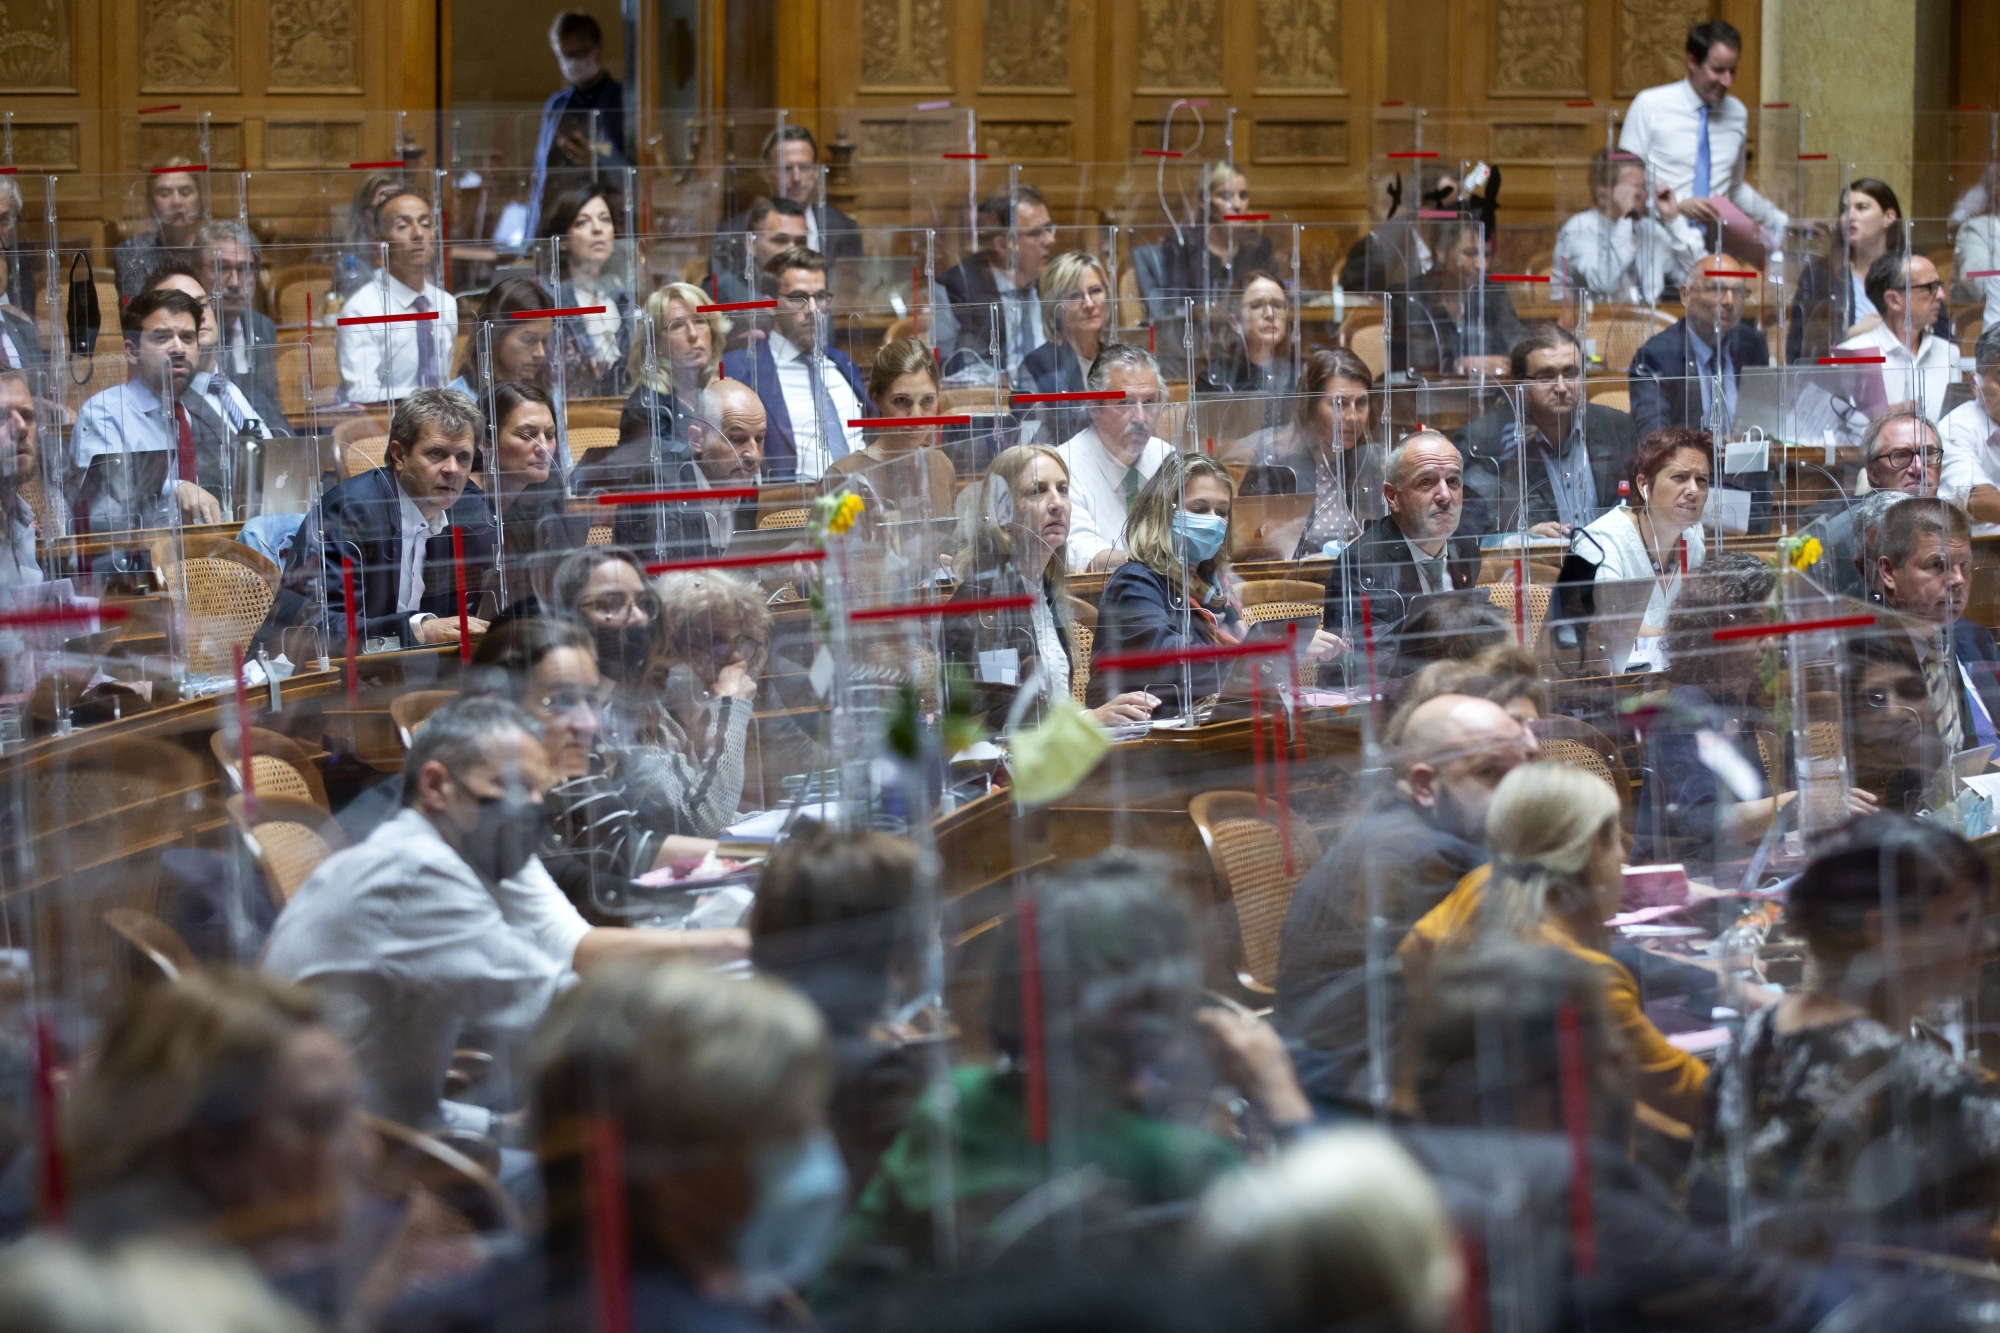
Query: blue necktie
(1701, 162)
(832, 432)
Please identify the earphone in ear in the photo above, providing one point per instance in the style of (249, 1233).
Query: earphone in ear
(1645, 495)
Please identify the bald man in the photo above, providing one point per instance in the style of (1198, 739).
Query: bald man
(1416, 549)
(722, 449)
(1398, 860)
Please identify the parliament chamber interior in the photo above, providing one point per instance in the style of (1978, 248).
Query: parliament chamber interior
(1039, 665)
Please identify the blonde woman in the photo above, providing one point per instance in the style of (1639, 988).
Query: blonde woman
(686, 349)
(1557, 870)
(1175, 590)
(1014, 544)
(1076, 309)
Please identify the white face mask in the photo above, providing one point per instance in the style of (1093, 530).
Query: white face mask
(801, 1197)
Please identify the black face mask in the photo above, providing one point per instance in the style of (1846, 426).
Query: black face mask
(621, 651)
(508, 833)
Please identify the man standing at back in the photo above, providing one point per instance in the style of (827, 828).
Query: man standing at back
(1691, 135)
(585, 122)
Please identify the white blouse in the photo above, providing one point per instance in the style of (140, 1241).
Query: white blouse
(1622, 555)
(1055, 661)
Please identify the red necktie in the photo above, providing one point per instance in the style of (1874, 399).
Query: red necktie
(186, 443)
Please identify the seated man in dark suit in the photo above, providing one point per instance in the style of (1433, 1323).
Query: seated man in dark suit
(1015, 242)
(1415, 549)
(20, 340)
(722, 448)
(248, 339)
(773, 226)
(1925, 564)
(810, 390)
(1576, 455)
(393, 522)
(791, 155)
(1678, 373)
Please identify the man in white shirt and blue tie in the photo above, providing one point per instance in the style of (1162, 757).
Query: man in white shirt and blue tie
(810, 391)
(384, 359)
(1691, 134)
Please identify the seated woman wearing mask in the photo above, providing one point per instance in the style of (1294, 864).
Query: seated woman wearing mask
(549, 667)
(684, 766)
(605, 589)
(1014, 546)
(536, 529)
(1178, 527)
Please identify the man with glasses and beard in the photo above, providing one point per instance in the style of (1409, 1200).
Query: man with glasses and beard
(810, 391)
(1398, 860)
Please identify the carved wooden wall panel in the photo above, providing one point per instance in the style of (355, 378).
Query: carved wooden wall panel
(905, 46)
(1025, 46)
(50, 146)
(1651, 38)
(1025, 140)
(187, 46)
(1298, 46)
(1279, 142)
(313, 47)
(1539, 49)
(1180, 47)
(37, 53)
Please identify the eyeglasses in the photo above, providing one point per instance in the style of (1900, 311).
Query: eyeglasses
(800, 300)
(745, 646)
(618, 605)
(1902, 458)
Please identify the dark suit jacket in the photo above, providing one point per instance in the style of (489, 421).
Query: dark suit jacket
(1168, 273)
(781, 451)
(361, 519)
(1493, 473)
(260, 386)
(26, 337)
(1379, 565)
(1137, 613)
(965, 637)
(839, 239)
(968, 286)
(606, 97)
(1054, 367)
(1975, 648)
(1666, 392)
(1425, 337)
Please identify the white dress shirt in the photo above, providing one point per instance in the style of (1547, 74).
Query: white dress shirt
(1624, 260)
(19, 567)
(1971, 457)
(795, 369)
(1921, 378)
(411, 949)
(417, 530)
(379, 361)
(226, 397)
(1097, 492)
(1977, 250)
(1021, 306)
(1660, 130)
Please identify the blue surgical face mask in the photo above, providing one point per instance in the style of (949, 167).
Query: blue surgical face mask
(801, 1197)
(1197, 537)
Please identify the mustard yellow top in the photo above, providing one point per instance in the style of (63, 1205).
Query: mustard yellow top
(1669, 1079)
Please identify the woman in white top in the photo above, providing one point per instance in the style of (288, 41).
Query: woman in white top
(1660, 536)
(1012, 544)
(1977, 249)
(598, 345)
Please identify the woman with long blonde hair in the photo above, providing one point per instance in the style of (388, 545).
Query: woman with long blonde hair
(1012, 540)
(1558, 848)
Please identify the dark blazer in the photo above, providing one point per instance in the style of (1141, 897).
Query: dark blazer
(968, 286)
(1665, 393)
(260, 386)
(1493, 473)
(1379, 565)
(26, 337)
(1054, 367)
(781, 451)
(1975, 648)
(1138, 613)
(1680, 799)
(361, 519)
(1823, 310)
(1168, 273)
(666, 532)
(537, 530)
(965, 637)
(606, 96)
